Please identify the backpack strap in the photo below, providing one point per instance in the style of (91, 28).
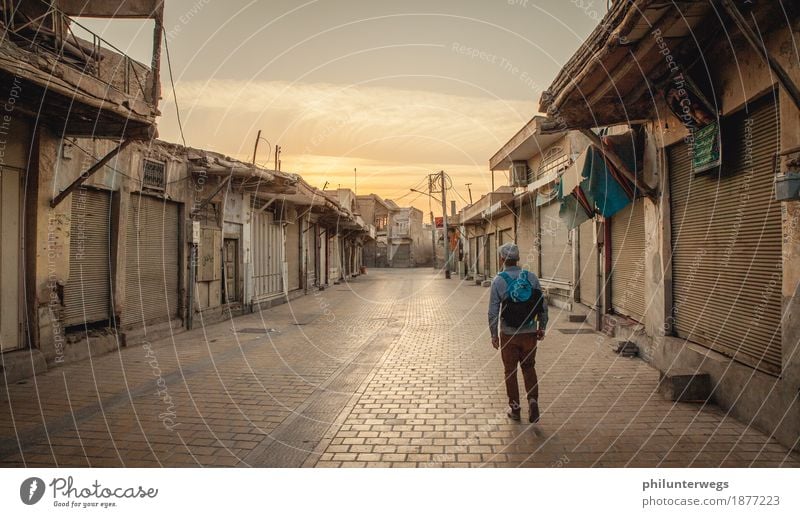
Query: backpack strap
(505, 276)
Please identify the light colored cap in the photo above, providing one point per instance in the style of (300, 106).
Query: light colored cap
(509, 250)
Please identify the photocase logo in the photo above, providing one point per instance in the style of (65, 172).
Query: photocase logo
(31, 490)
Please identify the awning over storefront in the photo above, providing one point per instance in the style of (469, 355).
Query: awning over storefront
(593, 185)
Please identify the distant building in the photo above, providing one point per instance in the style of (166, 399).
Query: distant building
(406, 245)
(374, 210)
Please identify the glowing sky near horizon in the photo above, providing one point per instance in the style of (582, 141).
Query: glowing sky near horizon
(395, 89)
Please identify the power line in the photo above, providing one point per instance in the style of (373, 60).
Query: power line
(459, 195)
(410, 191)
(172, 82)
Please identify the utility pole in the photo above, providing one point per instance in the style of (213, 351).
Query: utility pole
(355, 181)
(255, 148)
(470, 192)
(444, 224)
(433, 221)
(277, 157)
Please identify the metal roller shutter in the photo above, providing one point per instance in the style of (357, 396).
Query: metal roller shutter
(627, 261)
(151, 270)
(312, 254)
(402, 256)
(588, 264)
(491, 250)
(267, 246)
(506, 235)
(10, 259)
(473, 254)
(87, 291)
(556, 250)
(483, 267)
(726, 244)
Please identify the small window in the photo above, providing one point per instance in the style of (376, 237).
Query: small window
(154, 175)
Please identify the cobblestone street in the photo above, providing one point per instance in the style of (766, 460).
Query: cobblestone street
(394, 369)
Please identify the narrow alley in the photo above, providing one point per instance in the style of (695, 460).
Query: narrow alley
(393, 368)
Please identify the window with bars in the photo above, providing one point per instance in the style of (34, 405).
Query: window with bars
(554, 159)
(154, 175)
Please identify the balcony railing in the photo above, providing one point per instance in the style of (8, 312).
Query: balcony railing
(39, 27)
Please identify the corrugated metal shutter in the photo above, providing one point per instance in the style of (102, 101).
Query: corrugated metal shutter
(10, 258)
(311, 254)
(627, 261)
(402, 256)
(483, 267)
(87, 291)
(726, 242)
(151, 269)
(473, 254)
(588, 264)
(491, 250)
(267, 256)
(555, 248)
(506, 235)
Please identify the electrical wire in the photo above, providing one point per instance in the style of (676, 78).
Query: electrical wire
(451, 188)
(459, 195)
(410, 191)
(172, 82)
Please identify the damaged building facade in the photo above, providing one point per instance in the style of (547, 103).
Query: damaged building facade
(695, 214)
(400, 241)
(659, 195)
(113, 238)
(58, 86)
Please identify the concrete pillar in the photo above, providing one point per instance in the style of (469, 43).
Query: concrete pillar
(790, 210)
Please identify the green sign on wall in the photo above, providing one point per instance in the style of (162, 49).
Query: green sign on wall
(706, 148)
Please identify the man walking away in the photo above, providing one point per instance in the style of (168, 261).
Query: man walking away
(517, 320)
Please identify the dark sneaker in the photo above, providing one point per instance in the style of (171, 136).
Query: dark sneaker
(513, 414)
(534, 414)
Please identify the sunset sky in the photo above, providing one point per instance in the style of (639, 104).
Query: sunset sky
(395, 89)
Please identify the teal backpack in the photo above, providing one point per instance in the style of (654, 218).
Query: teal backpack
(523, 303)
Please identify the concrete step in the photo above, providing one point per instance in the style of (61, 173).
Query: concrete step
(685, 385)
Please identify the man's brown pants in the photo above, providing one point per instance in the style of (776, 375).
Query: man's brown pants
(519, 349)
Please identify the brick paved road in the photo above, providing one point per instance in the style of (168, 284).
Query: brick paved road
(394, 369)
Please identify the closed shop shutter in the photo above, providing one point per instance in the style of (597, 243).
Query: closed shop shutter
(506, 235)
(10, 259)
(267, 255)
(402, 256)
(491, 252)
(480, 255)
(293, 255)
(87, 290)
(588, 264)
(556, 250)
(473, 254)
(151, 269)
(368, 254)
(726, 244)
(312, 254)
(627, 261)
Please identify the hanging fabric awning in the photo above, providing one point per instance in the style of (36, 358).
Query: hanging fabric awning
(594, 185)
(543, 198)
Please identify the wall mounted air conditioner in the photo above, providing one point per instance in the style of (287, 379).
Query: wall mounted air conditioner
(519, 173)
